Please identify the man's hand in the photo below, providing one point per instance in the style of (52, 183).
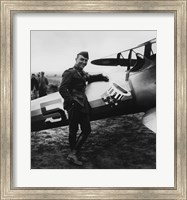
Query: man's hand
(105, 78)
(98, 77)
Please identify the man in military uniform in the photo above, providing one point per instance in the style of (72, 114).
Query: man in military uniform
(72, 89)
(43, 83)
(34, 87)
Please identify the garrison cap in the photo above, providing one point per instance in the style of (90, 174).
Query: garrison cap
(84, 53)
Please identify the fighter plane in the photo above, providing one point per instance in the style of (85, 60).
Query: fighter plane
(131, 89)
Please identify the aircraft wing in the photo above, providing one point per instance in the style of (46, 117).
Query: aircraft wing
(149, 119)
(122, 61)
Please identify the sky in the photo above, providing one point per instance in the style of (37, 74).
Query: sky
(55, 51)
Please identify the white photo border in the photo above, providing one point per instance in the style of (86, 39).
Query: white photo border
(163, 175)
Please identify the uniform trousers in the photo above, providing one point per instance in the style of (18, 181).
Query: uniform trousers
(78, 116)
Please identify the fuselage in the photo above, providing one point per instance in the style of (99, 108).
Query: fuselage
(116, 97)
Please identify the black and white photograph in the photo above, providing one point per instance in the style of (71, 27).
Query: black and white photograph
(105, 117)
(93, 99)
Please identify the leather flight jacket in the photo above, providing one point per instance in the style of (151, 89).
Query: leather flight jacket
(73, 85)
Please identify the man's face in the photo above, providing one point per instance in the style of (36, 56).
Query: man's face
(81, 61)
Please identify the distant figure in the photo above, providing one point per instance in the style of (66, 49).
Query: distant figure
(34, 87)
(72, 89)
(38, 76)
(43, 83)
